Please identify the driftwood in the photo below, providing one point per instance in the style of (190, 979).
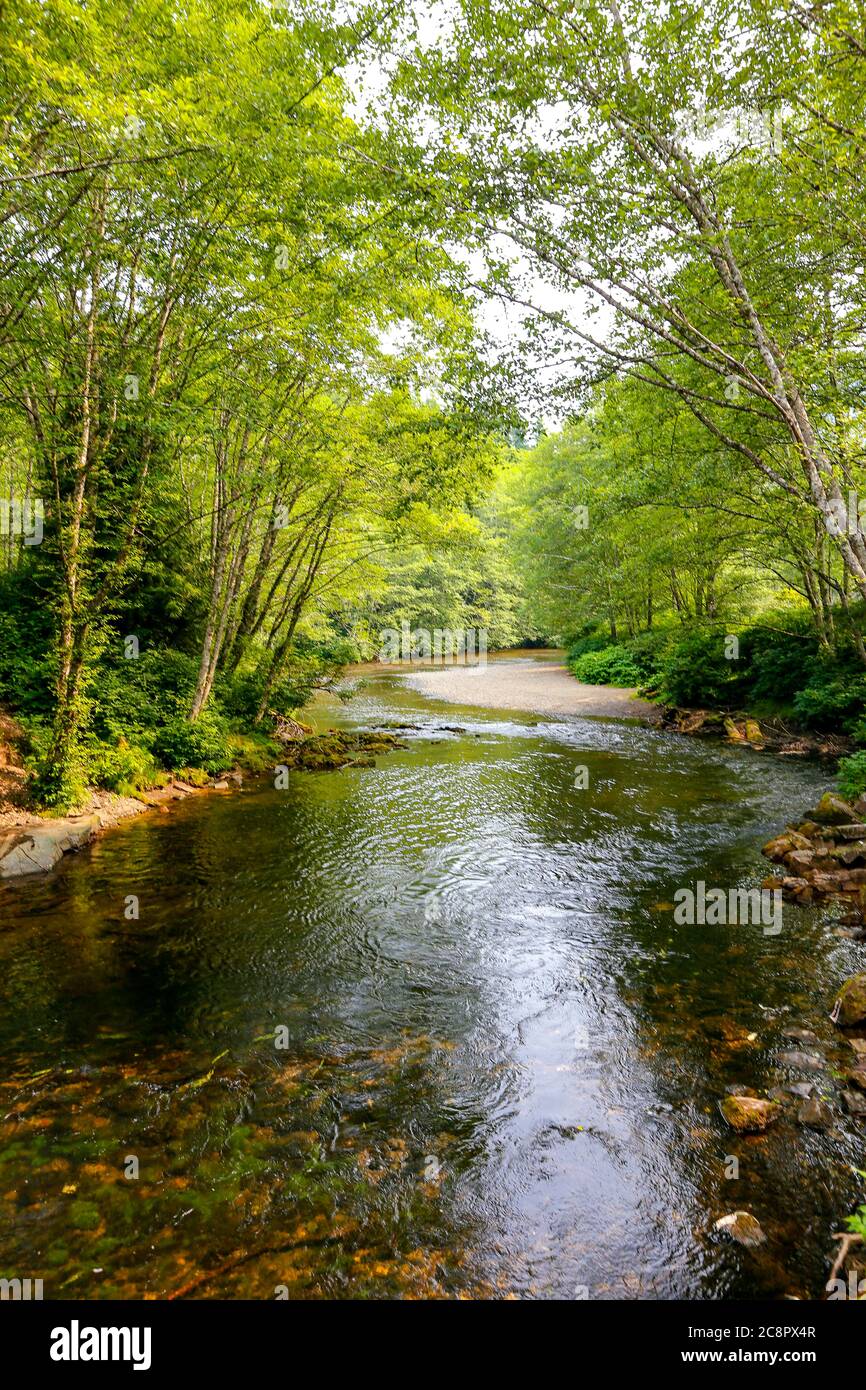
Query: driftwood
(848, 1238)
(288, 730)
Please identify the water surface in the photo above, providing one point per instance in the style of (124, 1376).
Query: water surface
(502, 1058)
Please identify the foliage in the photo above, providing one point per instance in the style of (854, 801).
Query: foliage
(179, 744)
(852, 775)
(609, 666)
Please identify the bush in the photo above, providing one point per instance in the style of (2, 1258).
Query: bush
(832, 697)
(203, 744)
(123, 768)
(852, 775)
(136, 697)
(610, 666)
(696, 672)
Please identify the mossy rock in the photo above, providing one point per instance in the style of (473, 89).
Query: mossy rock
(335, 749)
(749, 1114)
(832, 810)
(850, 1005)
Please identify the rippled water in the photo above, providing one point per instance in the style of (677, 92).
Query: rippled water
(503, 1059)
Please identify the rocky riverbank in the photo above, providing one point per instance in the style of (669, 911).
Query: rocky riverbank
(825, 857)
(766, 735)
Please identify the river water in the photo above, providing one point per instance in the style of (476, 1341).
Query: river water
(424, 1029)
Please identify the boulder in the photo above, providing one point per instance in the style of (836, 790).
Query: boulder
(749, 1114)
(850, 853)
(36, 848)
(832, 810)
(850, 1005)
(734, 732)
(742, 1227)
(754, 733)
(857, 1077)
(797, 890)
(799, 861)
(850, 832)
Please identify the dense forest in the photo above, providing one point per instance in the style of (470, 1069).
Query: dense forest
(316, 322)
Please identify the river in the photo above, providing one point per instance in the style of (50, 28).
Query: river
(424, 1029)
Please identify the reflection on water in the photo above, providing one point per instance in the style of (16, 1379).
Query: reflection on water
(502, 1058)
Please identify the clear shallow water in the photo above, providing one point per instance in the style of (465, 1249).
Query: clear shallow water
(503, 1057)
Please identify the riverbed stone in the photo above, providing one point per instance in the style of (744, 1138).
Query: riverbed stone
(851, 852)
(804, 1035)
(855, 1104)
(857, 1077)
(793, 889)
(742, 1227)
(801, 1061)
(832, 810)
(749, 1114)
(815, 1114)
(857, 831)
(850, 1005)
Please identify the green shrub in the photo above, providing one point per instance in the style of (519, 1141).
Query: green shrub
(133, 698)
(696, 672)
(610, 666)
(832, 697)
(123, 768)
(203, 744)
(852, 775)
(777, 664)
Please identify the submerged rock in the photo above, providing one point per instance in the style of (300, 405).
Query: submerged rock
(741, 1226)
(338, 749)
(802, 1061)
(855, 1103)
(804, 1035)
(815, 1114)
(850, 1005)
(749, 1114)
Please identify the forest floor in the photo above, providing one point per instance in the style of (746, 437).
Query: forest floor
(519, 681)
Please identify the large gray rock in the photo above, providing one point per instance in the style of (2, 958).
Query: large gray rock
(39, 846)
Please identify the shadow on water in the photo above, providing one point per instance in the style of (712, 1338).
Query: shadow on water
(499, 1059)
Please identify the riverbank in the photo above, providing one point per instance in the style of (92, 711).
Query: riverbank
(36, 844)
